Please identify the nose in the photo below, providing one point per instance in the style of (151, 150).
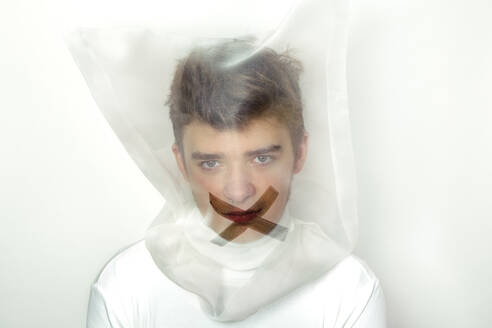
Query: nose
(238, 188)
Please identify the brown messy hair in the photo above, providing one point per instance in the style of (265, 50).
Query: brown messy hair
(228, 85)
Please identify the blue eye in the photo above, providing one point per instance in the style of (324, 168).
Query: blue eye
(208, 165)
(263, 159)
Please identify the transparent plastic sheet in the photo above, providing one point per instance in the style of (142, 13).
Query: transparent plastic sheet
(257, 203)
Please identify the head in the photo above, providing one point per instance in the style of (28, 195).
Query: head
(238, 126)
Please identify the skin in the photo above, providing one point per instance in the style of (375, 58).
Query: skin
(238, 165)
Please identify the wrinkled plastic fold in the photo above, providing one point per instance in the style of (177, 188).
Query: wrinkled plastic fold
(245, 133)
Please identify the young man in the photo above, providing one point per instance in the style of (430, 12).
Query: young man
(239, 129)
(235, 254)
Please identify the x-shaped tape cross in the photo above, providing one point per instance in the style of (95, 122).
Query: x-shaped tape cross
(256, 223)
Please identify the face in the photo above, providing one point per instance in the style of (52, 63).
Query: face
(238, 166)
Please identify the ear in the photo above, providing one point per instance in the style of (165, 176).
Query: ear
(180, 160)
(301, 153)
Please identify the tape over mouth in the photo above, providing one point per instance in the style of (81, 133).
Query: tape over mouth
(249, 218)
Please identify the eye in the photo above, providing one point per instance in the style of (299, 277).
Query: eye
(262, 159)
(208, 165)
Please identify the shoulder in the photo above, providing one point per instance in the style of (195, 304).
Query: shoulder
(127, 279)
(131, 272)
(355, 294)
(127, 263)
(356, 273)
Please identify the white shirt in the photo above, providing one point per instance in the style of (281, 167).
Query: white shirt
(132, 292)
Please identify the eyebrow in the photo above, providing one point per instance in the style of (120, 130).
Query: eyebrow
(197, 155)
(205, 156)
(266, 150)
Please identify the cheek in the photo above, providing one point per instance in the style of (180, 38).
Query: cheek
(277, 208)
(202, 184)
(280, 182)
(278, 176)
(205, 184)
(279, 179)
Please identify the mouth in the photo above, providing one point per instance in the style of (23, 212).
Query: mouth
(250, 218)
(241, 217)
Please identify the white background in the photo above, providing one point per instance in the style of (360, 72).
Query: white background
(419, 78)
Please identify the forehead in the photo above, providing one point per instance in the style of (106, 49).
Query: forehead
(199, 136)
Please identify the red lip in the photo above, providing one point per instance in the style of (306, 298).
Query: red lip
(241, 217)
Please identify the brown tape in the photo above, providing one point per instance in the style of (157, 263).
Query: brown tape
(257, 223)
